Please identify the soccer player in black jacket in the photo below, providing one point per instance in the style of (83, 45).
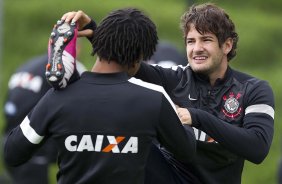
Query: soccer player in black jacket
(104, 124)
(232, 113)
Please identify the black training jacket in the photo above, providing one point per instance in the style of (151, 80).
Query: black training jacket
(103, 126)
(233, 120)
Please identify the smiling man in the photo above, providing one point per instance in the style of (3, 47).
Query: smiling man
(232, 113)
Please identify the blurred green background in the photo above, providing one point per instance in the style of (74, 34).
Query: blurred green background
(26, 26)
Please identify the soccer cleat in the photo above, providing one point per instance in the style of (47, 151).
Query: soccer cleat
(61, 54)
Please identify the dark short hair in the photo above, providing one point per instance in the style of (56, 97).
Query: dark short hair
(125, 36)
(208, 18)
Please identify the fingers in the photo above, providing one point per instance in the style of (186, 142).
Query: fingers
(76, 16)
(67, 17)
(184, 116)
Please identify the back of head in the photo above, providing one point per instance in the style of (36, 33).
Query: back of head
(208, 18)
(125, 36)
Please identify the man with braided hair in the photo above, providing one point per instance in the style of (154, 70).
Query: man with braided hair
(108, 136)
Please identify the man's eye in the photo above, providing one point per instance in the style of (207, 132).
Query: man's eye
(189, 41)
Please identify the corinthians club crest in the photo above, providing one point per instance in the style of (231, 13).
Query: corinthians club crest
(232, 106)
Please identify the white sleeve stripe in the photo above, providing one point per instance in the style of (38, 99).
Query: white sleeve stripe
(173, 67)
(260, 108)
(29, 132)
(153, 87)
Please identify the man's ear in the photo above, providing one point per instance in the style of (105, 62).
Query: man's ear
(227, 45)
(132, 70)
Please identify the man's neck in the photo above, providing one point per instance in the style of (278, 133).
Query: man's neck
(219, 74)
(103, 66)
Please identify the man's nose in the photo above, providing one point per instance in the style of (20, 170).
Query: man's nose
(198, 46)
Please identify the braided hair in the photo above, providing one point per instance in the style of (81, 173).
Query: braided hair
(125, 36)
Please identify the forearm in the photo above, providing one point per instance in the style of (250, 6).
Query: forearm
(149, 74)
(17, 149)
(252, 141)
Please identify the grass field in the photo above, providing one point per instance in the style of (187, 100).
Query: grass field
(27, 25)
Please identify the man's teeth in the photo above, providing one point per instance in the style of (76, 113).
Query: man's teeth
(200, 58)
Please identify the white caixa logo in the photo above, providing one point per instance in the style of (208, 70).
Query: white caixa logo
(88, 143)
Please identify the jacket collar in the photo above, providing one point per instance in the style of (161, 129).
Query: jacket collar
(219, 82)
(104, 78)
